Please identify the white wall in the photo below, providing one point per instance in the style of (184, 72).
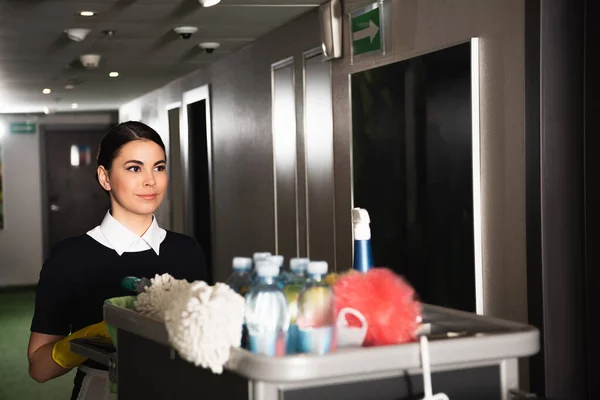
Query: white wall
(21, 240)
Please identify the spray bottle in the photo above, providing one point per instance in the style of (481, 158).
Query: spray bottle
(135, 284)
(363, 255)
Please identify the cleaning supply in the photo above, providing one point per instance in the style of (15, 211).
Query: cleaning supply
(350, 336)
(292, 290)
(316, 308)
(61, 352)
(387, 302)
(240, 280)
(363, 254)
(426, 365)
(159, 295)
(135, 284)
(203, 323)
(267, 317)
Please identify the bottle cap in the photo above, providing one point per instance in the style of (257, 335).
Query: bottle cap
(360, 221)
(276, 259)
(267, 269)
(242, 263)
(317, 267)
(360, 216)
(260, 256)
(299, 264)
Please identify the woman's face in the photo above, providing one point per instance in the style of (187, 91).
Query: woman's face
(137, 180)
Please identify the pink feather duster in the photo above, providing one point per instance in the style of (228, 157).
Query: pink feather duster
(385, 299)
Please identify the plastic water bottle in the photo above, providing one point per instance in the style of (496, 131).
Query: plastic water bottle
(267, 316)
(298, 268)
(256, 258)
(316, 313)
(283, 276)
(240, 278)
(363, 254)
(292, 290)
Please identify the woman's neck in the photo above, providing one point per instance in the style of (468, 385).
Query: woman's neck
(136, 223)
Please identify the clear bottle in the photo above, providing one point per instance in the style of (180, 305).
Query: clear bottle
(256, 258)
(267, 317)
(282, 278)
(292, 290)
(316, 313)
(298, 267)
(240, 280)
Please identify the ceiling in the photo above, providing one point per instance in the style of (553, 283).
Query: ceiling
(35, 53)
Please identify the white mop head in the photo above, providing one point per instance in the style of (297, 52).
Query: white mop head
(160, 295)
(204, 322)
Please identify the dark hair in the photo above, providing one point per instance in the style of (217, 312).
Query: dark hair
(120, 135)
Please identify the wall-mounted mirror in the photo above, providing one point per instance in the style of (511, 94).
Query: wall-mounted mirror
(413, 165)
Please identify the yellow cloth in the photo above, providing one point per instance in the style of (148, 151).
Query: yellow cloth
(61, 352)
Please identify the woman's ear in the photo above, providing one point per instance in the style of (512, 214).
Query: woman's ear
(103, 178)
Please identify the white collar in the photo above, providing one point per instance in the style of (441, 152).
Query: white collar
(122, 239)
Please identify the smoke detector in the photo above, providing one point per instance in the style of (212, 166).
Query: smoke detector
(209, 47)
(77, 34)
(185, 32)
(90, 60)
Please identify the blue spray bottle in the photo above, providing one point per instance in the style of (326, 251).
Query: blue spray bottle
(363, 255)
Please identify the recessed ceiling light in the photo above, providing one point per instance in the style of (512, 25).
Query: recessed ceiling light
(69, 86)
(47, 91)
(209, 3)
(46, 110)
(74, 105)
(87, 13)
(113, 74)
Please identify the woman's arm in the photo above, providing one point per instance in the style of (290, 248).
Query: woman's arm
(42, 367)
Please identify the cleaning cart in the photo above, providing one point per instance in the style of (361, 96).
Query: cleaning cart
(471, 357)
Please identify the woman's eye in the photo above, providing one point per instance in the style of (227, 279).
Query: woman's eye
(134, 168)
(161, 168)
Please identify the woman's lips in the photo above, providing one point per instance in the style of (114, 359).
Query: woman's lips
(148, 196)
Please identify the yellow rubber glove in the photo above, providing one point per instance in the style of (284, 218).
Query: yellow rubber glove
(61, 352)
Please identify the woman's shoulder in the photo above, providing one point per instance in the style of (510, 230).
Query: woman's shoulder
(76, 244)
(179, 240)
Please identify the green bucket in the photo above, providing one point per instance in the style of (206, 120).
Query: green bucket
(127, 302)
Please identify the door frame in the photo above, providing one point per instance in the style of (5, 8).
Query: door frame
(43, 130)
(170, 192)
(190, 97)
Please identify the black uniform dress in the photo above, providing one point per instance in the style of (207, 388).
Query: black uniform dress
(81, 274)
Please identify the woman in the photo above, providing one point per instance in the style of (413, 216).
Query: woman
(83, 271)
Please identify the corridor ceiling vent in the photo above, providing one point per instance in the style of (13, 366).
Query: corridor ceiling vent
(91, 61)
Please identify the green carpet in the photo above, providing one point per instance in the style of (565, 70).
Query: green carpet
(16, 311)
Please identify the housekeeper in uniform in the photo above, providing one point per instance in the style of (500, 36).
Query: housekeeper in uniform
(83, 271)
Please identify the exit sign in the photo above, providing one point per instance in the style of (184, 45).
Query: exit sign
(22, 127)
(366, 30)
